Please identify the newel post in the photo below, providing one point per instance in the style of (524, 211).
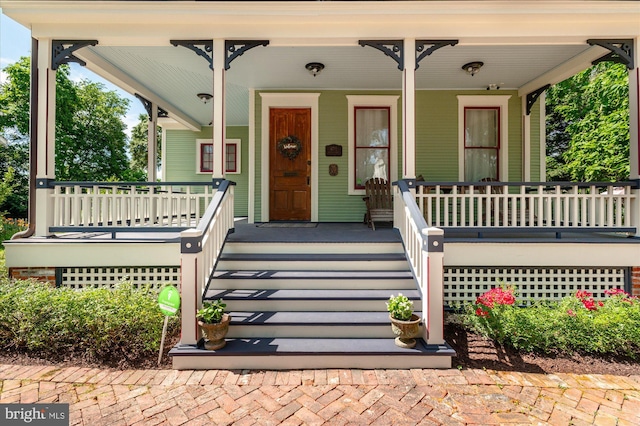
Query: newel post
(190, 283)
(433, 294)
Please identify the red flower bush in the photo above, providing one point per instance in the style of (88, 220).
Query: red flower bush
(497, 296)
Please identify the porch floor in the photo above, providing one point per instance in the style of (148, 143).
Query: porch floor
(349, 232)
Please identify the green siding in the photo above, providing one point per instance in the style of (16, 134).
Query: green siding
(437, 134)
(436, 148)
(180, 159)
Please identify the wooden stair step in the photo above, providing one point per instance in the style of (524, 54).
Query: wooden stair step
(328, 275)
(305, 318)
(313, 347)
(303, 294)
(320, 257)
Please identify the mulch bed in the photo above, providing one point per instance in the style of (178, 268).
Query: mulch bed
(473, 351)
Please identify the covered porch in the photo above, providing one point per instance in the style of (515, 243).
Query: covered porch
(424, 67)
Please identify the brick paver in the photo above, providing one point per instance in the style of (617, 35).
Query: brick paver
(316, 397)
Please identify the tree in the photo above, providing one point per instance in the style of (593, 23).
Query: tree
(94, 143)
(91, 141)
(138, 145)
(590, 111)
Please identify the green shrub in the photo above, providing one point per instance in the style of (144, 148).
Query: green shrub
(9, 226)
(121, 326)
(575, 324)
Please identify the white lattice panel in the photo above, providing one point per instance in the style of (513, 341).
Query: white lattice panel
(156, 277)
(466, 284)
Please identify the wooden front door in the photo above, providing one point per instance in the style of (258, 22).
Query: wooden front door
(289, 164)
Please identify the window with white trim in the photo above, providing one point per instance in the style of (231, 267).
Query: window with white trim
(481, 143)
(483, 137)
(204, 156)
(372, 139)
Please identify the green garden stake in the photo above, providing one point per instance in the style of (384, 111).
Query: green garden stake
(169, 303)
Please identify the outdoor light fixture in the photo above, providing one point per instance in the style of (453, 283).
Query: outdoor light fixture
(204, 97)
(314, 68)
(472, 67)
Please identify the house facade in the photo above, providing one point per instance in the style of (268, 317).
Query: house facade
(299, 103)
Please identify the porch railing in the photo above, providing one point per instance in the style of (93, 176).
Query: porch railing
(590, 206)
(79, 206)
(201, 248)
(424, 248)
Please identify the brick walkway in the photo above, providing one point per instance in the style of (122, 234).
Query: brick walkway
(335, 397)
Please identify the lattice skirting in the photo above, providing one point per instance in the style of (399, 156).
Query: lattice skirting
(465, 284)
(156, 277)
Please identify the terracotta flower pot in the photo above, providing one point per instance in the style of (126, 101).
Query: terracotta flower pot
(214, 333)
(406, 331)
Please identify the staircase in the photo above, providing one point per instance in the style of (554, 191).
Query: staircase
(306, 305)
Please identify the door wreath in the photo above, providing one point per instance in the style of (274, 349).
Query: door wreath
(290, 146)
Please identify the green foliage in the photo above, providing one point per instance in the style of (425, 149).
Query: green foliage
(574, 324)
(211, 312)
(588, 125)
(120, 326)
(400, 307)
(91, 143)
(9, 226)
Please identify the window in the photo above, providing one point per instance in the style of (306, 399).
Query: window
(204, 156)
(371, 144)
(372, 139)
(481, 143)
(483, 137)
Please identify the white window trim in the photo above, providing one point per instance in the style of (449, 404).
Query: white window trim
(236, 142)
(384, 101)
(489, 101)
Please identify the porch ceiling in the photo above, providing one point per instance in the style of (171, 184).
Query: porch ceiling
(172, 76)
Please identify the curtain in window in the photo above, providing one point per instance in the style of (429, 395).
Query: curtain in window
(481, 144)
(372, 144)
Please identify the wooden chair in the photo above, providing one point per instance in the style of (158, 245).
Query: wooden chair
(379, 201)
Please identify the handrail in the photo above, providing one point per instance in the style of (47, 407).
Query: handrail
(424, 248)
(200, 249)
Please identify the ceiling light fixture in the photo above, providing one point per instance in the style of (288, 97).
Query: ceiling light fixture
(472, 67)
(204, 97)
(314, 68)
(493, 86)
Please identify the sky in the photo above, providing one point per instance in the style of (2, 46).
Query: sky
(15, 41)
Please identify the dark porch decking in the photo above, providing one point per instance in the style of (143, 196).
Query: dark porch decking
(353, 232)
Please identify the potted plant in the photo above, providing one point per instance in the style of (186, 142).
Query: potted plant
(404, 323)
(214, 324)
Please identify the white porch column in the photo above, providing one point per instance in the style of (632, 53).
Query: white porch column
(634, 113)
(526, 141)
(219, 56)
(634, 131)
(46, 134)
(409, 109)
(152, 144)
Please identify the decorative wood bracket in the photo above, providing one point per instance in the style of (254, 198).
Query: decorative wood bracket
(202, 48)
(533, 97)
(235, 48)
(62, 51)
(147, 106)
(621, 51)
(392, 48)
(422, 53)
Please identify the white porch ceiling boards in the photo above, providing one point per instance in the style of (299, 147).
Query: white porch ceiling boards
(518, 40)
(176, 74)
